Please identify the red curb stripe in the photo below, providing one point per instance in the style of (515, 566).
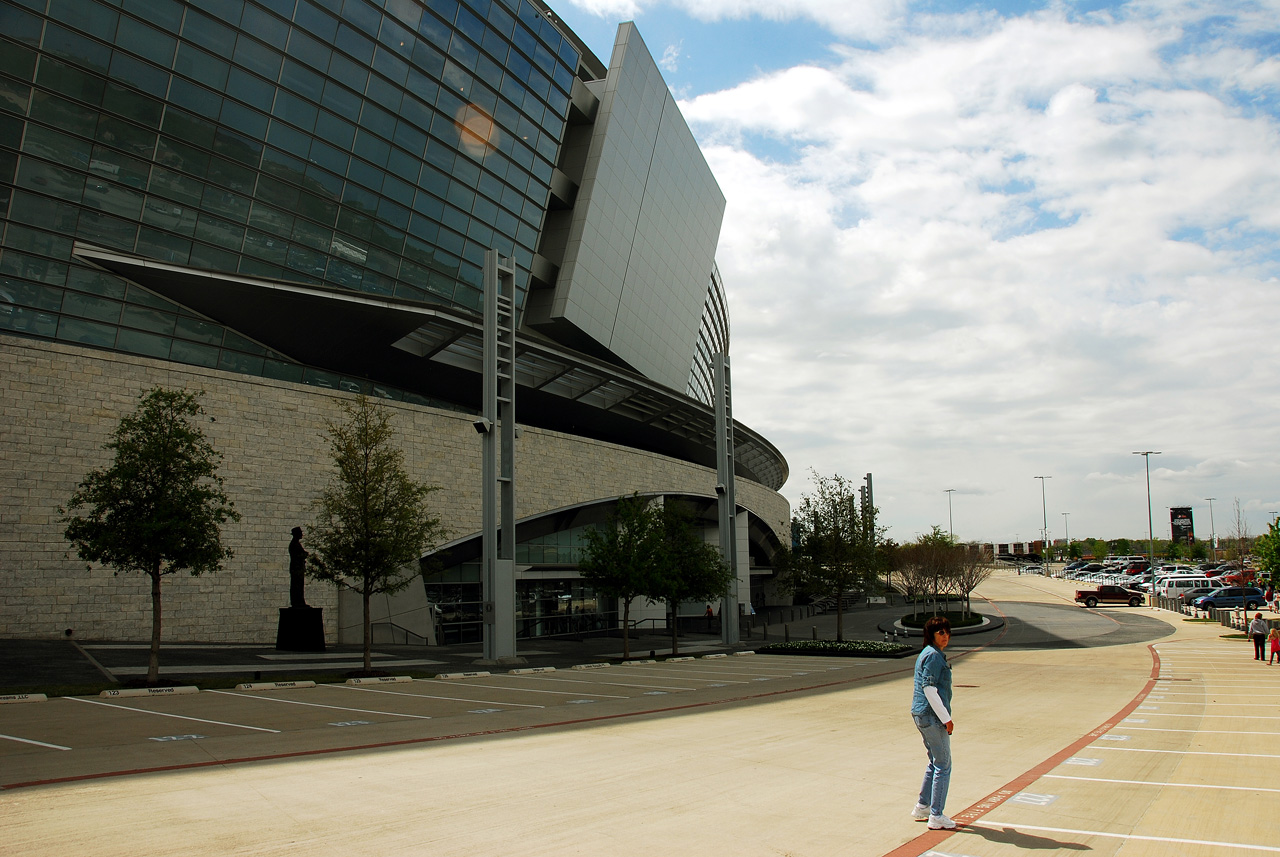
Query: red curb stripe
(929, 840)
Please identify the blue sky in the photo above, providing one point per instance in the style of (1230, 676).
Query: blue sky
(967, 244)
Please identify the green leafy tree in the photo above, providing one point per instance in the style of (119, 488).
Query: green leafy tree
(160, 506)
(689, 568)
(621, 559)
(1266, 550)
(1074, 551)
(1121, 547)
(834, 546)
(372, 521)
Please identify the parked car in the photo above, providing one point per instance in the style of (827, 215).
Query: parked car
(1192, 594)
(1109, 594)
(1249, 597)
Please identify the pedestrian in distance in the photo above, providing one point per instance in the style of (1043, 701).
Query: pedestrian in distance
(1274, 637)
(1258, 630)
(931, 711)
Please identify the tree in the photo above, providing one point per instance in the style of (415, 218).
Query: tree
(1074, 551)
(1266, 548)
(932, 562)
(372, 521)
(159, 507)
(972, 566)
(621, 558)
(689, 568)
(834, 545)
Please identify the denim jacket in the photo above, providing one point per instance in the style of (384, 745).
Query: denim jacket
(932, 670)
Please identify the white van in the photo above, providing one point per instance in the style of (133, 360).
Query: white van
(1172, 587)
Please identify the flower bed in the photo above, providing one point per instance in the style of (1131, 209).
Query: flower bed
(833, 649)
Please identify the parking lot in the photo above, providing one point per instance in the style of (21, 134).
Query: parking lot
(1134, 742)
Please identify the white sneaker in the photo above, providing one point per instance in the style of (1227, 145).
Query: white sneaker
(940, 822)
(921, 812)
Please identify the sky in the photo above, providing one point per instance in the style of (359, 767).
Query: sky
(971, 244)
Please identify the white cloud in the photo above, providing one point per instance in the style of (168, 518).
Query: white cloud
(670, 61)
(1003, 248)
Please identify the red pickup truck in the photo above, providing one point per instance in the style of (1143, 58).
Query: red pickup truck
(1108, 594)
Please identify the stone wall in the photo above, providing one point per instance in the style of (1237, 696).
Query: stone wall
(59, 404)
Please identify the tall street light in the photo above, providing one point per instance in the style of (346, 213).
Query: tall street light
(1045, 508)
(1213, 530)
(1151, 532)
(1067, 530)
(950, 523)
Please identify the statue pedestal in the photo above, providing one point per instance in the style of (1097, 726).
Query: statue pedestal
(301, 629)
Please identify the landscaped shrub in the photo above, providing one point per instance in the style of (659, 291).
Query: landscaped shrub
(830, 648)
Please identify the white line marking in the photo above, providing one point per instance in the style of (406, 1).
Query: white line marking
(1189, 752)
(1198, 731)
(615, 684)
(1232, 704)
(522, 689)
(175, 716)
(997, 826)
(315, 705)
(37, 743)
(1215, 716)
(1171, 785)
(445, 698)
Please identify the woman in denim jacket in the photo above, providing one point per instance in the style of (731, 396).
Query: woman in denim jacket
(931, 711)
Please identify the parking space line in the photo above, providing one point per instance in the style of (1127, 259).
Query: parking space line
(261, 698)
(996, 825)
(523, 689)
(31, 741)
(1129, 728)
(1215, 716)
(175, 716)
(445, 698)
(1160, 785)
(1186, 752)
(614, 683)
(1232, 704)
(698, 677)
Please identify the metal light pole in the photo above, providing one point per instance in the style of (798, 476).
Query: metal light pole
(1067, 529)
(1151, 532)
(951, 526)
(1045, 508)
(1213, 530)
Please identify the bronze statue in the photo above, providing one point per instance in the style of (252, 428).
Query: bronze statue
(297, 567)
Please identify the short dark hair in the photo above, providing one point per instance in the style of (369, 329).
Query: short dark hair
(933, 626)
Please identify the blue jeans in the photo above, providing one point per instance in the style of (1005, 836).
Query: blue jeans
(937, 776)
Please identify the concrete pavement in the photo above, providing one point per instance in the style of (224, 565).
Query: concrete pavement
(740, 755)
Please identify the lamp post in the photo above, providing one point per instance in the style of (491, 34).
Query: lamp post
(1044, 508)
(951, 526)
(1213, 530)
(1067, 529)
(1151, 532)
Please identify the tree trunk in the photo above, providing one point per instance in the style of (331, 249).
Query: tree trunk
(675, 633)
(368, 633)
(626, 630)
(153, 664)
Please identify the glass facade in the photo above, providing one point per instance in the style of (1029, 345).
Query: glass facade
(550, 600)
(374, 145)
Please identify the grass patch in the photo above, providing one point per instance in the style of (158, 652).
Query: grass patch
(955, 617)
(1202, 621)
(833, 649)
(1234, 637)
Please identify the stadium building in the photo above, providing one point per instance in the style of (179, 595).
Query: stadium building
(284, 203)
